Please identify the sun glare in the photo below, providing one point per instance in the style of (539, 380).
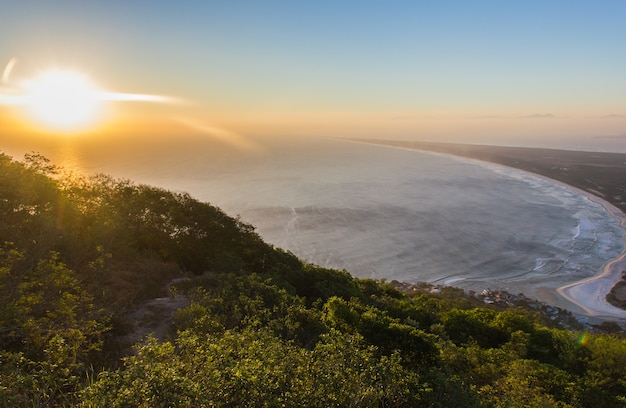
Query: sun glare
(63, 100)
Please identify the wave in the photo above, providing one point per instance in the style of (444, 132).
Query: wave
(417, 217)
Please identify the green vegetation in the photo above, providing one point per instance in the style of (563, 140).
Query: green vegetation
(261, 328)
(617, 295)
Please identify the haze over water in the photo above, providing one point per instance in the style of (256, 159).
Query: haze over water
(397, 214)
(383, 212)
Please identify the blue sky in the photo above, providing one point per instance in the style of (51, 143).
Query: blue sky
(417, 69)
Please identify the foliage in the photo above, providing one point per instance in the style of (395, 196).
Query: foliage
(255, 368)
(260, 327)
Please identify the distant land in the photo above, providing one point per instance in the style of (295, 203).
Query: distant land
(598, 173)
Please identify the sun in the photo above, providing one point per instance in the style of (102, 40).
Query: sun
(63, 100)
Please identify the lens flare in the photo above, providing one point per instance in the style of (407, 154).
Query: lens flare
(220, 134)
(7, 70)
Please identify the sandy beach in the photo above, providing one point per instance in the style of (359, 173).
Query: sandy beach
(588, 295)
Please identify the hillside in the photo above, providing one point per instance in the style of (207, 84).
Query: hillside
(249, 324)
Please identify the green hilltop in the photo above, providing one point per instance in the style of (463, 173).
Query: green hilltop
(252, 325)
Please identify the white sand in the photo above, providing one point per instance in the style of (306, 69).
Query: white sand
(590, 294)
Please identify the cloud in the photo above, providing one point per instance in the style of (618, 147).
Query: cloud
(414, 117)
(404, 117)
(610, 137)
(539, 116)
(614, 116)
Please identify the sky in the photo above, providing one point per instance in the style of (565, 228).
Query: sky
(469, 71)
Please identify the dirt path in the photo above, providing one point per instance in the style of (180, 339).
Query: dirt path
(154, 316)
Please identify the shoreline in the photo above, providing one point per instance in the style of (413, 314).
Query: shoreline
(594, 289)
(589, 294)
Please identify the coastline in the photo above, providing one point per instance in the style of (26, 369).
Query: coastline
(589, 294)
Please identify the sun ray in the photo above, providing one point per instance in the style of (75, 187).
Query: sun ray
(136, 97)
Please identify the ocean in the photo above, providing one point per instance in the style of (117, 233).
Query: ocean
(389, 213)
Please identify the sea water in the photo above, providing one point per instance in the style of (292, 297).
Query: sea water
(381, 212)
(411, 216)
